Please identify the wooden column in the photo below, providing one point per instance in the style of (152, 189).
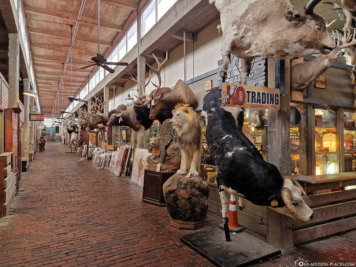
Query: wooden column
(26, 125)
(279, 234)
(340, 136)
(311, 139)
(14, 69)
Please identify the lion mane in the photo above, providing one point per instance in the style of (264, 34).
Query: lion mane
(189, 134)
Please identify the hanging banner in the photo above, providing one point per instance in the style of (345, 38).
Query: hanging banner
(36, 117)
(245, 96)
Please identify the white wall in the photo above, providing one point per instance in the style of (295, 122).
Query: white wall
(202, 57)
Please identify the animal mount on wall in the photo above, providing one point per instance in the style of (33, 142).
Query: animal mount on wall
(251, 29)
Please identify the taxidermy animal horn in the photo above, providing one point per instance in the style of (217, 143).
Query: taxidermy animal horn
(309, 7)
(182, 94)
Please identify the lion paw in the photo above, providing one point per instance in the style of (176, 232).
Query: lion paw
(181, 172)
(192, 174)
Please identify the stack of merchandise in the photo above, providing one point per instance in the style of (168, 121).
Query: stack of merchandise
(96, 153)
(104, 160)
(120, 163)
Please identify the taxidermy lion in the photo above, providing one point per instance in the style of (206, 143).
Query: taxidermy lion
(186, 123)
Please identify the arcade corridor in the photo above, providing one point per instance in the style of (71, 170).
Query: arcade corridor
(67, 213)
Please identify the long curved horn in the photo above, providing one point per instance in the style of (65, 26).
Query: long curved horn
(309, 7)
(287, 198)
(295, 182)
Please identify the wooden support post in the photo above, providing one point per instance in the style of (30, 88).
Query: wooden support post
(26, 125)
(311, 139)
(14, 69)
(279, 234)
(340, 135)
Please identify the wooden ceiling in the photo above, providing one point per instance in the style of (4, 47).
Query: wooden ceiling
(48, 26)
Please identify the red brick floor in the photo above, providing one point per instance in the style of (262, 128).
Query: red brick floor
(67, 213)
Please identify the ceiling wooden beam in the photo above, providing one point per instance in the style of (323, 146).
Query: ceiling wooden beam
(71, 16)
(65, 35)
(55, 80)
(59, 74)
(64, 49)
(122, 3)
(58, 67)
(59, 59)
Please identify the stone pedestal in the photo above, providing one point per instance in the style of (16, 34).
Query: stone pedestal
(186, 200)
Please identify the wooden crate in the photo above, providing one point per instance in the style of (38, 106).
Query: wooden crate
(152, 187)
(8, 182)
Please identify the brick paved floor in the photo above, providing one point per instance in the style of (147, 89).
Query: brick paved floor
(68, 213)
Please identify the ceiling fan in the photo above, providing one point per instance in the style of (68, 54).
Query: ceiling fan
(100, 60)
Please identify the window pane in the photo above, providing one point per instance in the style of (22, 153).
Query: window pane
(101, 74)
(164, 6)
(326, 144)
(148, 18)
(122, 48)
(132, 36)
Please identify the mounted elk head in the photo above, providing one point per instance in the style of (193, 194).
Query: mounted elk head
(96, 115)
(164, 98)
(251, 28)
(304, 74)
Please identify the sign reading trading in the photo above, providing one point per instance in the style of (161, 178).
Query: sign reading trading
(244, 96)
(36, 117)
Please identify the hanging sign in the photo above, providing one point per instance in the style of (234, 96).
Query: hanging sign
(244, 96)
(36, 117)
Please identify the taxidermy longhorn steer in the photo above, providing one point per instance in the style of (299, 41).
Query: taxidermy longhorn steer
(270, 29)
(241, 168)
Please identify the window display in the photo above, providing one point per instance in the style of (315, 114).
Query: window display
(326, 145)
(349, 142)
(256, 129)
(298, 138)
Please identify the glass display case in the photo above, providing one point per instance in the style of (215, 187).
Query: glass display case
(298, 139)
(349, 142)
(326, 144)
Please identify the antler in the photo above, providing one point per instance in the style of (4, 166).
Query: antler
(346, 41)
(97, 105)
(142, 86)
(157, 70)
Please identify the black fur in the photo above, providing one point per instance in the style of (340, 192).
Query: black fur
(142, 116)
(240, 164)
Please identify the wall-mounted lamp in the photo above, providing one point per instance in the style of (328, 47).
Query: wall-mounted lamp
(72, 98)
(30, 93)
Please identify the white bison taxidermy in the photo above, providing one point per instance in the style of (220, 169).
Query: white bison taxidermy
(270, 29)
(241, 168)
(186, 123)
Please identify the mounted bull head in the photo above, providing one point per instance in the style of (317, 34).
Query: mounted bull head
(115, 115)
(251, 28)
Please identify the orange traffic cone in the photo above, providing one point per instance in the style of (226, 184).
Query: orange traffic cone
(232, 213)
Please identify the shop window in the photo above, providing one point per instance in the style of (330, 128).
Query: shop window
(349, 141)
(298, 139)
(256, 129)
(326, 145)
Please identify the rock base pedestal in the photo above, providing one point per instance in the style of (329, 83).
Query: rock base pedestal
(186, 200)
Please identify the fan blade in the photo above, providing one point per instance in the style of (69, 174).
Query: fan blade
(91, 65)
(107, 68)
(117, 63)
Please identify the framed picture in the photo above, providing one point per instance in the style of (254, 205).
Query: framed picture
(124, 134)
